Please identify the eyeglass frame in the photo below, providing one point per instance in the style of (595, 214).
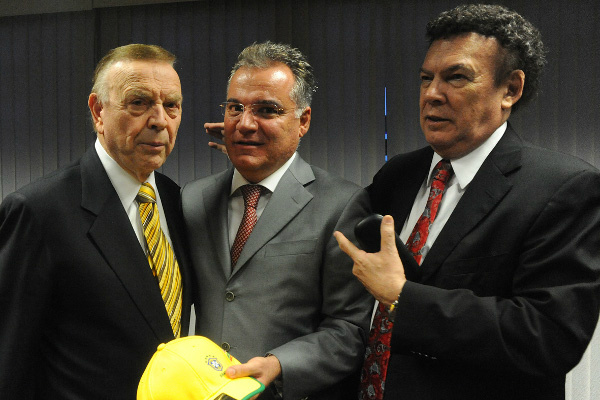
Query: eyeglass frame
(280, 110)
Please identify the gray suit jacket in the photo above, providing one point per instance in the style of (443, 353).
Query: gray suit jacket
(292, 292)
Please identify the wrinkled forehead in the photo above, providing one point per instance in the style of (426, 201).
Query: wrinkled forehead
(462, 49)
(152, 76)
(252, 84)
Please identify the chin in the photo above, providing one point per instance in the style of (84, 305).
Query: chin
(244, 163)
(154, 163)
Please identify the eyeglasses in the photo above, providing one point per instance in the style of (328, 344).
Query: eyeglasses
(235, 110)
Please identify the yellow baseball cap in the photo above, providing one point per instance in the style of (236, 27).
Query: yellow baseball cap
(193, 368)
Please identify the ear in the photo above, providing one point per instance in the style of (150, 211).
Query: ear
(514, 88)
(305, 121)
(96, 108)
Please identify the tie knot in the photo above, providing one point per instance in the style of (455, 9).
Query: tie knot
(442, 171)
(251, 195)
(146, 194)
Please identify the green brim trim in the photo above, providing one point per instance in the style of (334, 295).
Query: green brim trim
(257, 391)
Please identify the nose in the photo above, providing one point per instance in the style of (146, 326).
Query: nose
(247, 121)
(158, 118)
(433, 92)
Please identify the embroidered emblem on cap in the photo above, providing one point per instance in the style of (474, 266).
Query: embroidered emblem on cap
(214, 363)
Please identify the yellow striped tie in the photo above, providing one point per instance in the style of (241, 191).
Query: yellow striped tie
(161, 257)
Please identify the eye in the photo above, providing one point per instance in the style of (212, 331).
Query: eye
(173, 109)
(265, 110)
(173, 106)
(138, 105)
(457, 77)
(235, 108)
(425, 80)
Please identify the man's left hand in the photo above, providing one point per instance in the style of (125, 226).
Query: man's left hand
(264, 369)
(381, 273)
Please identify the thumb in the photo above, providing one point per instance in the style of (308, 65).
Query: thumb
(235, 371)
(388, 235)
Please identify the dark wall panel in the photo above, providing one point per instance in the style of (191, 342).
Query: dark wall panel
(45, 66)
(360, 50)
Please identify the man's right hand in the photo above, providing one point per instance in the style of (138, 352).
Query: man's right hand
(264, 369)
(215, 129)
(382, 273)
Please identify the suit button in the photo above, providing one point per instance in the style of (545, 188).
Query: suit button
(225, 346)
(229, 296)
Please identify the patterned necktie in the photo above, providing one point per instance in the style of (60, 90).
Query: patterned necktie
(251, 195)
(441, 174)
(377, 354)
(161, 257)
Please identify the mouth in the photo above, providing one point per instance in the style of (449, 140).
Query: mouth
(248, 143)
(433, 118)
(153, 146)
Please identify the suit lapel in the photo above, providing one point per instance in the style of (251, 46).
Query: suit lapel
(217, 197)
(407, 187)
(114, 237)
(170, 197)
(485, 191)
(288, 199)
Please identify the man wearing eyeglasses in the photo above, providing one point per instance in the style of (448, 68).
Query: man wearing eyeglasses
(273, 287)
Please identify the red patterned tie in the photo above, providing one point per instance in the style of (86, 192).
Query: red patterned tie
(441, 174)
(251, 195)
(377, 354)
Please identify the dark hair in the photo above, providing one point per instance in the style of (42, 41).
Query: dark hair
(130, 52)
(264, 55)
(521, 42)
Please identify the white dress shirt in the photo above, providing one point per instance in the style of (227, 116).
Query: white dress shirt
(465, 169)
(236, 199)
(127, 188)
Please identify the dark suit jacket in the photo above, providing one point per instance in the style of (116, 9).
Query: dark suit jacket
(82, 313)
(292, 292)
(507, 299)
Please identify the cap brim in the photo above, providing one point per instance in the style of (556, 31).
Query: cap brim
(240, 389)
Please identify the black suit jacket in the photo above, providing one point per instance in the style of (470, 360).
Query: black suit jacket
(82, 313)
(507, 299)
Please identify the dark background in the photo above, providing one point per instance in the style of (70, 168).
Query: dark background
(359, 49)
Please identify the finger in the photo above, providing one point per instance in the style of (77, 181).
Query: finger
(345, 245)
(214, 126)
(214, 129)
(218, 146)
(238, 371)
(388, 235)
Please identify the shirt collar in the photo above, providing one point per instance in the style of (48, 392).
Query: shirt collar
(467, 166)
(127, 186)
(270, 182)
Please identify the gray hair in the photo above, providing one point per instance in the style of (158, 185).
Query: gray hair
(130, 52)
(521, 42)
(264, 55)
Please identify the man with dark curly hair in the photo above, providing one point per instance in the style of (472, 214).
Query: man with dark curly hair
(504, 296)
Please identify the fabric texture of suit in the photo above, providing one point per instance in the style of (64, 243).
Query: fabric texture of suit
(506, 301)
(292, 292)
(82, 312)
